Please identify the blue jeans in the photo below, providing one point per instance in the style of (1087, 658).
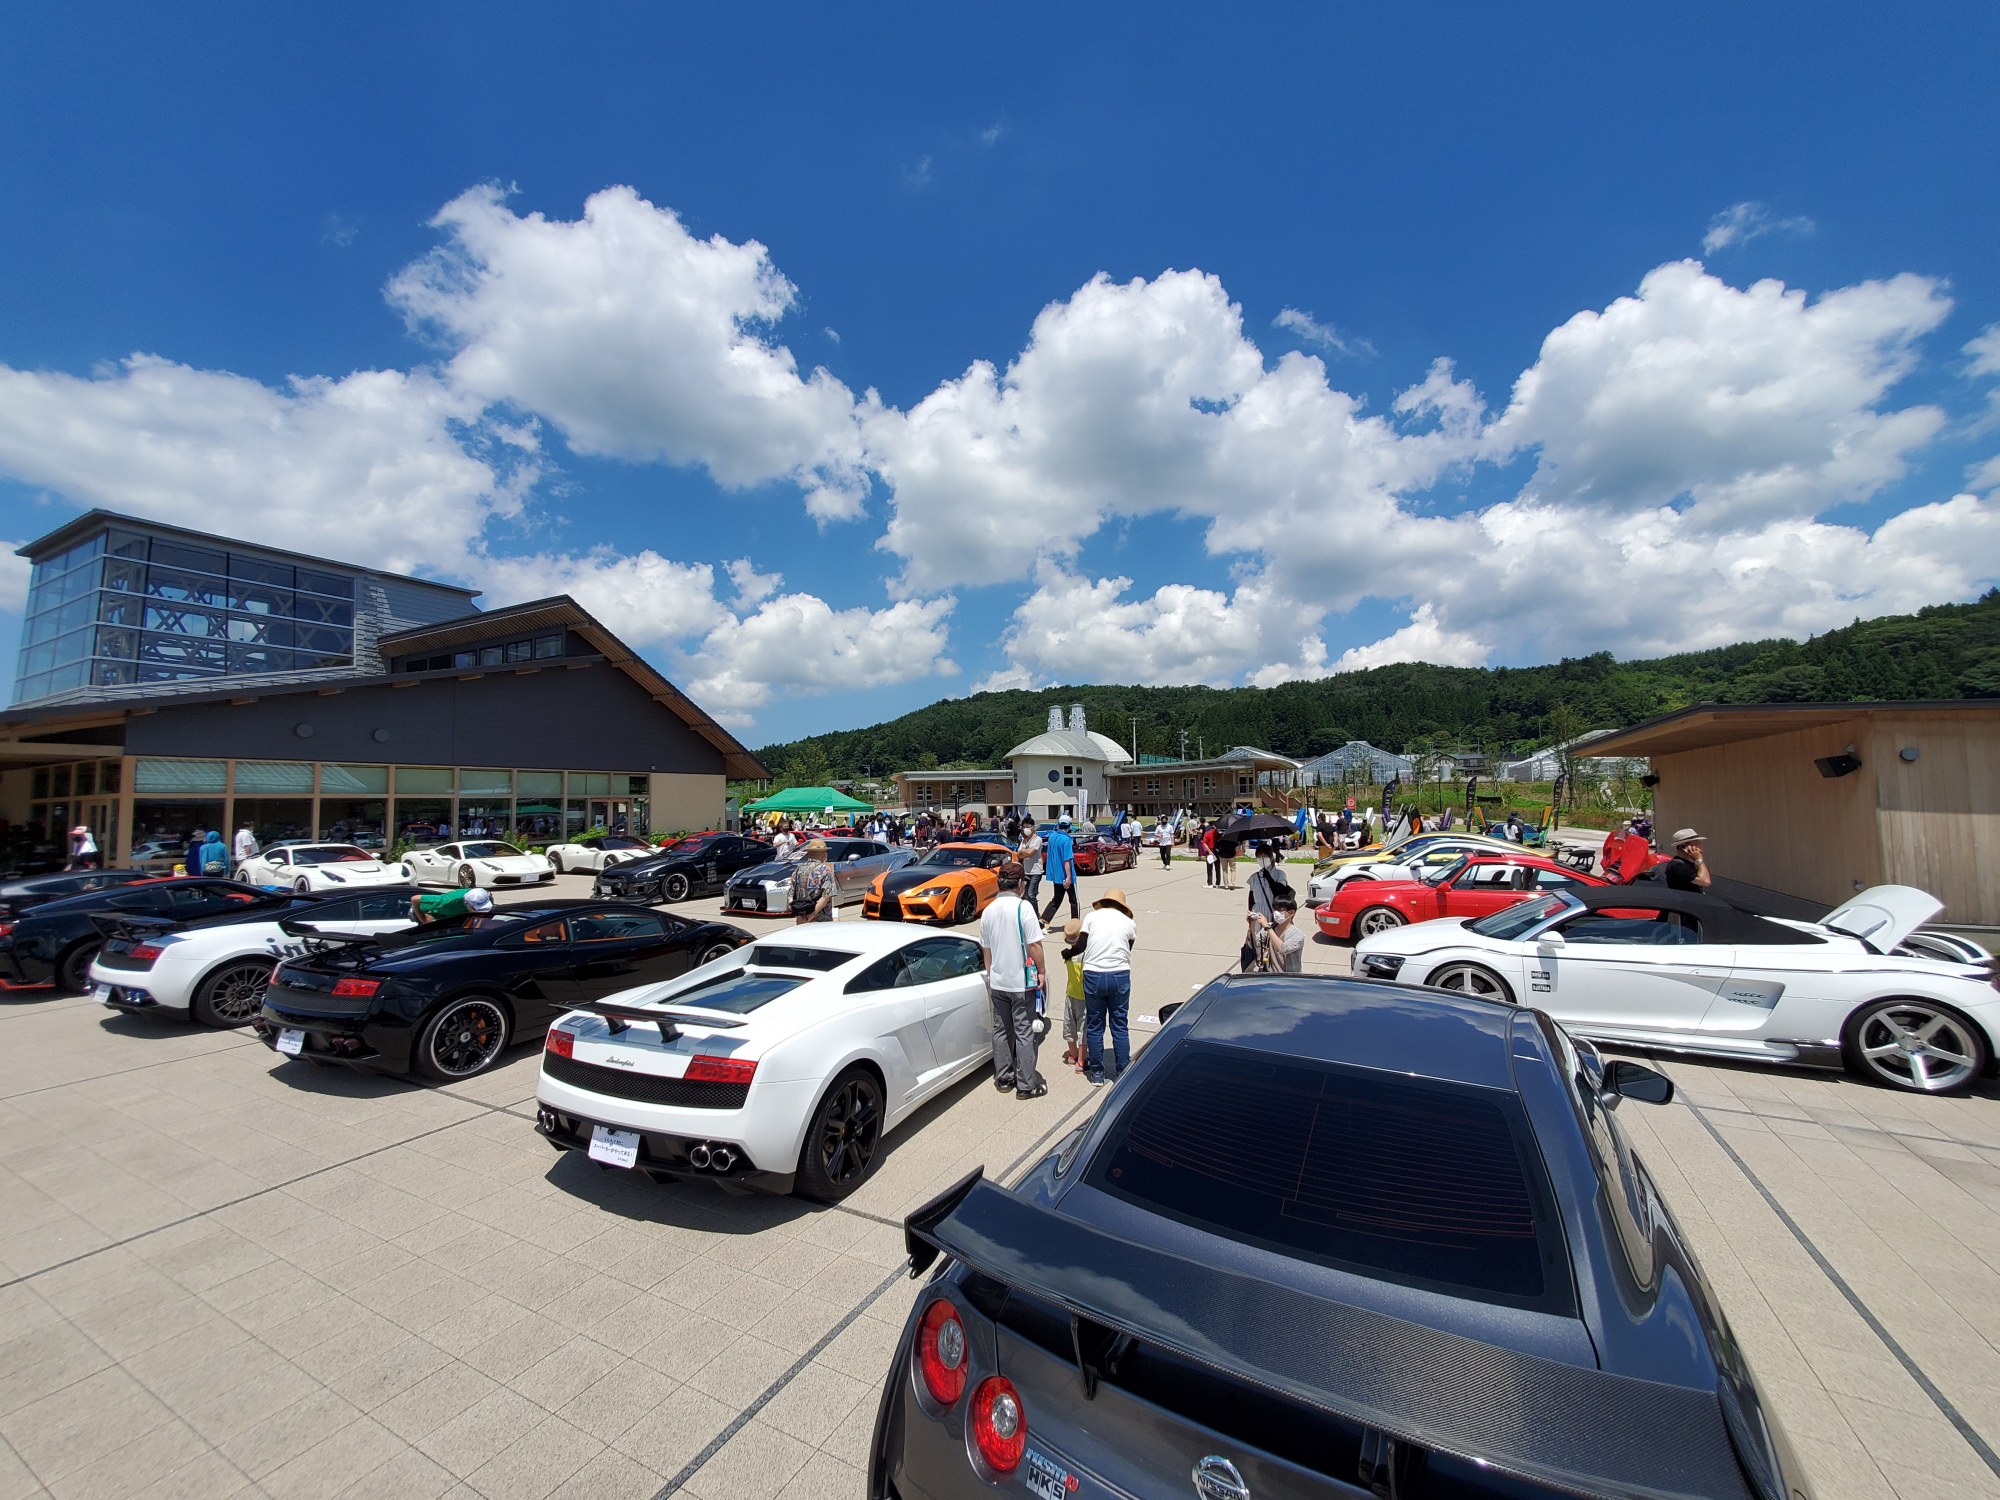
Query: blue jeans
(1106, 997)
(1034, 884)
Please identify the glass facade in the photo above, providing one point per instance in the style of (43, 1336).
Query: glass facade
(123, 608)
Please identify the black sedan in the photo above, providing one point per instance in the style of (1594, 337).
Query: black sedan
(447, 999)
(1328, 1237)
(698, 865)
(17, 896)
(55, 943)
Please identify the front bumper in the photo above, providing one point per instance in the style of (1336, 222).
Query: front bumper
(1335, 924)
(643, 892)
(905, 908)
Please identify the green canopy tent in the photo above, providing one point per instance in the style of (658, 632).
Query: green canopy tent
(809, 799)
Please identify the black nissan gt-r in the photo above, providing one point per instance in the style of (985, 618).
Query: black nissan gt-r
(54, 944)
(447, 999)
(1328, 1237)
(698, 865)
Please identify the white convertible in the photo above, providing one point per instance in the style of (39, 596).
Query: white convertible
(599, 852)
(1652, 967)
(486, 863)
(781, 1067)
(320, 867)
(215, 970)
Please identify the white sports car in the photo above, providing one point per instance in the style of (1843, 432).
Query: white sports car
(320, 867)
(215, 970)
(598, 853)
(1653, 967)
(781, 1066)
(482, 862)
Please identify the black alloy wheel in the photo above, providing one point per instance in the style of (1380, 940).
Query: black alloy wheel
(967, 908)
(234, 993)
(555, 863)
(840, 1146)
(73, 968)
(676, 887)
(466, 877)
(464, 1039)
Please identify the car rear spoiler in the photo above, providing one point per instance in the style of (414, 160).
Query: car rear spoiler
(670, 1022)
(1583, 1431)
(132, 928)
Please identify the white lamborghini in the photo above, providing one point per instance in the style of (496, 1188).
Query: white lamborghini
(320, 867)
(781, 1066)
(1647, 966)
(214, 970)
(486, 863)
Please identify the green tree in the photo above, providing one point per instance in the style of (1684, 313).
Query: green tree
(807, 767)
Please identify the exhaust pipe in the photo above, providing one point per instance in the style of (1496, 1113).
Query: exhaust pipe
(699, 1157)
(722, 1158)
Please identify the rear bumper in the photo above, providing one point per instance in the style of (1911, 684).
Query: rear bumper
(663, 1156)
(368, 1038)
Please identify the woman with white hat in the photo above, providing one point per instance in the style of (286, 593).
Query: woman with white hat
(1108, 935)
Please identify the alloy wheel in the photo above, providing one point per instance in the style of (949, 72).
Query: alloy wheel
(850, 1128)
(555, 863)
(466, 878)
(968, 906)
(302, 885)
(236, 994)
(1471, 979)
(676, 888)
(1915, 1045)
(1378, 919)
(720, 950)
(466, 1038)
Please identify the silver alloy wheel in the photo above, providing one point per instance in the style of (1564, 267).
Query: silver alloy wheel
(466, 1037)
(1471, 979)
(233, 996)
(466, 878)
(1378, 919)
(1912, 1044)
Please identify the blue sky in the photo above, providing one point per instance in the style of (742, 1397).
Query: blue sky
(621, 401)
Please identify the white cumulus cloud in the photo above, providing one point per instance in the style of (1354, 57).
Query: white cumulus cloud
(1746, 221)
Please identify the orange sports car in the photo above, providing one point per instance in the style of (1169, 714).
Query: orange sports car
(951, 884)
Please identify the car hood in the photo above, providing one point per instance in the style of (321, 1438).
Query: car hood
(777, 869)
(1883, 915)
(912, 877)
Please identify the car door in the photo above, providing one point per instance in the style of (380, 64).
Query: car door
(616, 950)
(1612, 974)
(535, 966)
(895, 1005)
(1480, 890)
(958, 1016)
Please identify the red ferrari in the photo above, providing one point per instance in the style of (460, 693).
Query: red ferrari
(1473, 887)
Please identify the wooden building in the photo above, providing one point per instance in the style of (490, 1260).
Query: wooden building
(1820, 800)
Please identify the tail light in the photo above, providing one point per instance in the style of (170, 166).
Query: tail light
(562, 1043)
(6, 928)
(720, 1070)
(941, 1352)
(356, 989)
(999, 1424)
(145, 953)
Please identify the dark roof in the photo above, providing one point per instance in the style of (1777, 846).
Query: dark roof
(1720, 922)
(72, 532)
(1703, 724)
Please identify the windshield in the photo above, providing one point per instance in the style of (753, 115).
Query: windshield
(692, 845)
(332, 854)
(737, 991)
(953, 859)
(488, 851)
(1510, 922)
(1442, 873)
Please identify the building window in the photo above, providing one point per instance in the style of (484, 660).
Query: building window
(1207, 785)
(520, 650)
(547, 646)
(490, 656)
(179, 777)
(1152, 786)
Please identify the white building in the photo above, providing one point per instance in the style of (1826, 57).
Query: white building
(1064, 767)
(1544, 765)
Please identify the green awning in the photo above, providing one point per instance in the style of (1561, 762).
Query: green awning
(809, 799)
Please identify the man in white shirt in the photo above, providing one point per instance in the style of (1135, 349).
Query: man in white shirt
(1010, 944)
(246, 845)
(1108, 934)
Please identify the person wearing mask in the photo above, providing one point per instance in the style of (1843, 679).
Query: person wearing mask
(1074, 1000)
(1687, 870)
(1061, 858)
(1283, 944)
(1108, 935)
(1030, 854)
(1010, 947)
(812, 886)
(1266, 885)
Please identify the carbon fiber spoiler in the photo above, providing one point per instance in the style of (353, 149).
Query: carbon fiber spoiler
(1587, 1432)
(132, 928)
(669, 1021)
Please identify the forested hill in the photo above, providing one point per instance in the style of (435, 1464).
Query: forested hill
(1946, 651)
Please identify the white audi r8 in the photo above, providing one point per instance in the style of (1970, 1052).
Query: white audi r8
(486, 863)
(599, 852)
(781, 1066)
(214, 970)
(1647, 966)
(320, 867)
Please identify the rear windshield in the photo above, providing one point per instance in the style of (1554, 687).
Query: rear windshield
(780, 956)
(1423, 1183)
(736, 991)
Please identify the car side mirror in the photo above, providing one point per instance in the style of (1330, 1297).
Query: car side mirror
(1551, 940)
(1630, 1080)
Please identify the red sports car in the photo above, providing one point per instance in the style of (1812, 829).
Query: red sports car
(1474, 887)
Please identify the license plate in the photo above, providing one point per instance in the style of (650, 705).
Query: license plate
(291, 1041)
(755, 899)
(102, 994)
(615, 1148)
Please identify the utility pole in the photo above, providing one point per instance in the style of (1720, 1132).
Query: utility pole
(1183, 744)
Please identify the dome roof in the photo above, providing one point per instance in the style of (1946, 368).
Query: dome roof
(1070, 744)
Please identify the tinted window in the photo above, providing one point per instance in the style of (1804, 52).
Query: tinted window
(544, 934)
(942, 958)
(486, 851)
(736, 991)
(952, 859)
(1423, 1183)
(783, 956)
(1516, 920)
(333, 911)
(331, 854)
(1665, 931)
(385, 906)
(614, 926)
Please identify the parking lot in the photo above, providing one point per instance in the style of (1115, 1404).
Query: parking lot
(222, 1272)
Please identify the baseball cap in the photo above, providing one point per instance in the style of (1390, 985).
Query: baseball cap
(478, 900)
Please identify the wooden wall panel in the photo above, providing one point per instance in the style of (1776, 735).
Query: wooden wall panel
(1940, 814)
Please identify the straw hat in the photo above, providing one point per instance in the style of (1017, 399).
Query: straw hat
(817, 846)
(1072, 929)
(1115, 897)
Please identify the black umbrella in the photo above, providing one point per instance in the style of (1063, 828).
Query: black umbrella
(1255, 825)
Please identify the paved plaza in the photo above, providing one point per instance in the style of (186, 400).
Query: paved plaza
(225, 1273)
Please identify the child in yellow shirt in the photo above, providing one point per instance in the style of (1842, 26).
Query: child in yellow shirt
(1073, 1008)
